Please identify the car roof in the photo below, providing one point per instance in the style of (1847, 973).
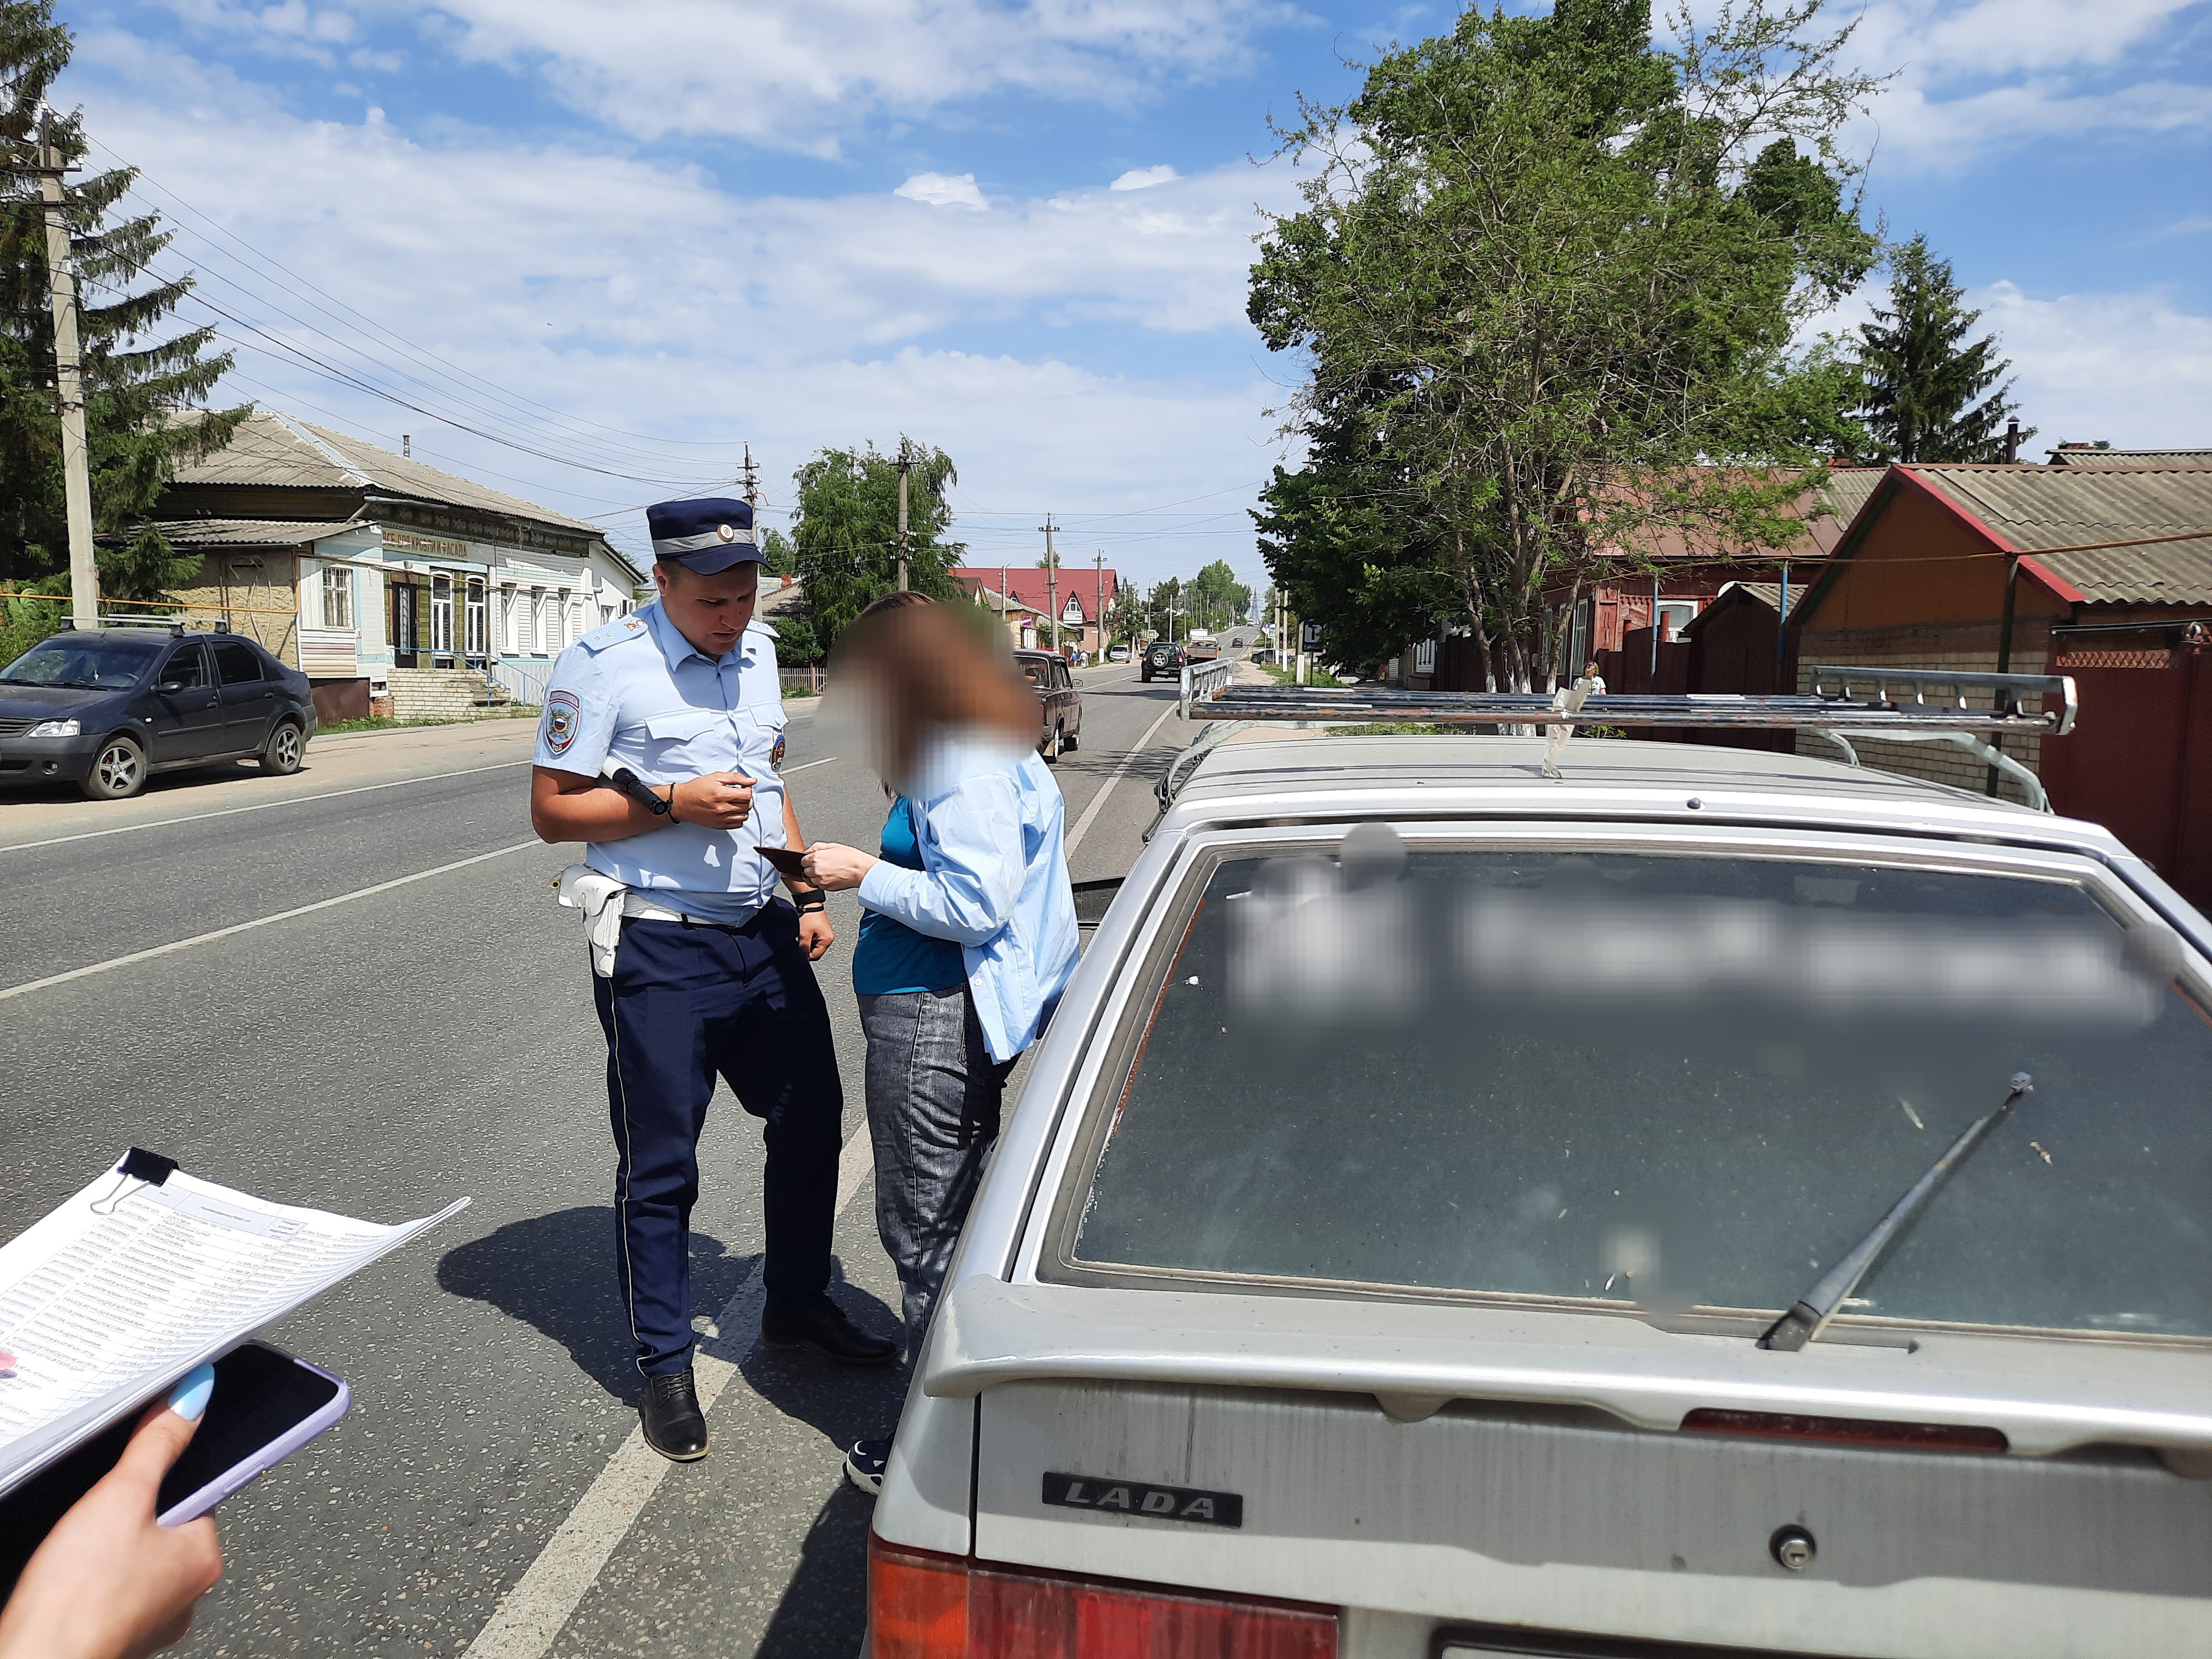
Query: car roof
(1266, 773)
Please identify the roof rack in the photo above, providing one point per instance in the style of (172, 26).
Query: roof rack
(1910, 705)
(1840, 699)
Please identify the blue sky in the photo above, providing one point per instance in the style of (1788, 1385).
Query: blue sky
(629, 238)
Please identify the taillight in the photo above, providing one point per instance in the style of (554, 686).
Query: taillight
(926, 1606)
(1848, 1431)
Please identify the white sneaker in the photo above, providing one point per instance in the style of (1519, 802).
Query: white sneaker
(865, 1463)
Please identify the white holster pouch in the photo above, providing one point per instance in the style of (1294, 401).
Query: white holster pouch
(600, 898)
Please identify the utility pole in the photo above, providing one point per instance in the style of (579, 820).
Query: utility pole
(69, 383)
(905, 466)
(1099, 615)
(1051, 580)
(752, 481)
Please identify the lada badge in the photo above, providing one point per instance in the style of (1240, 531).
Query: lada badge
(1143, 1501)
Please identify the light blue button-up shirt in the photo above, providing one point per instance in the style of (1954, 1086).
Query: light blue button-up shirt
(636, 693)
(994, 880)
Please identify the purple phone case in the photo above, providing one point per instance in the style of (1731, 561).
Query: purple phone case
(241, 1475)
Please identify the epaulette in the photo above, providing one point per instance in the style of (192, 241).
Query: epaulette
(761, 625)
(611, 633)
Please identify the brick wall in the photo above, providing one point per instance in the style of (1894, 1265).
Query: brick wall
(419, 694)
(1967, 646)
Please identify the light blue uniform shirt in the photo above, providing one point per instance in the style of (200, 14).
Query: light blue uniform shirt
(993, 880)
(637, 693)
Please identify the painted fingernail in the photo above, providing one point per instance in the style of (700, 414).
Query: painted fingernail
(190, 1397)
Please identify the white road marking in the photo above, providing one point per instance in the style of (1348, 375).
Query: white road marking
(30, 986)
(258, 806)
(788, 770)
(531, 1614)
(1098, 800)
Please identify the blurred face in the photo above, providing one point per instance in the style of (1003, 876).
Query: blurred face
(710, 611)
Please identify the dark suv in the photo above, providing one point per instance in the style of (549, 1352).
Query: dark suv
(104, 708)
(1164, 657)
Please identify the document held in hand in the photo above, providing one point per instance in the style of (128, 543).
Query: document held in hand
(143, 1275)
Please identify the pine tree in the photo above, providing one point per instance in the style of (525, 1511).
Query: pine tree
(1925, 382)
(145, 388)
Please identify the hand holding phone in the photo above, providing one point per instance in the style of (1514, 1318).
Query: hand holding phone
(265, 1405)
(109, 1579)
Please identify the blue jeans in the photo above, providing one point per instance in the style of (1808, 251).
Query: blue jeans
(933, 1096)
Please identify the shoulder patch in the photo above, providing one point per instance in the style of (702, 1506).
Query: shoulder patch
(612, 633)
(561, 714)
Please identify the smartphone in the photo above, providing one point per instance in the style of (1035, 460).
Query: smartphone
(786, 862)
(265, 1406)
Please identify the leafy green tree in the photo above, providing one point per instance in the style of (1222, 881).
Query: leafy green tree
(1544, 289)
(1931, 393)
(782, 558)
(1124, 615)
(1217, 598)
(145, 386)
(845, 539)
(1165, 610)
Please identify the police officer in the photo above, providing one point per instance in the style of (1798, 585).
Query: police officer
(660, 745)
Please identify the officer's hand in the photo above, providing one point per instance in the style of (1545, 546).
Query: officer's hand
(815, 934)
(721, 800)
(834, 867)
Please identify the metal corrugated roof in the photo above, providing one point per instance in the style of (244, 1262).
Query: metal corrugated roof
(252, 532)
(274, 451)
(2103, 460)
(2045, 510)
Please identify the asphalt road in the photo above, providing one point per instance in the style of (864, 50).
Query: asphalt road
(386, 1053)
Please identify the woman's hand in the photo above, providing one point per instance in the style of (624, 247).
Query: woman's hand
(109, 1583)
(836, 867)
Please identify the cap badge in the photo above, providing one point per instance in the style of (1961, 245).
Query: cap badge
(725, 531)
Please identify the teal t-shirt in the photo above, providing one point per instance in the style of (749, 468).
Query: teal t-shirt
(891, 957)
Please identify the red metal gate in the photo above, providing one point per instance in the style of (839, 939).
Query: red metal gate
(2139, 760)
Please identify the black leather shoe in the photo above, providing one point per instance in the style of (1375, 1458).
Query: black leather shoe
(674, 1426)
(823, 1326)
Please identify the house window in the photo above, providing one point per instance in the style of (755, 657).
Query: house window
(441, 616)
(474, 631)
(1674, 616)
(337, 595)
(507, 620)
(535, 621)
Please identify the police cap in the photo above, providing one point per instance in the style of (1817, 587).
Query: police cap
(709, 535)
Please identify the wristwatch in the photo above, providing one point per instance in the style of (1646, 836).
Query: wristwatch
(813, 899)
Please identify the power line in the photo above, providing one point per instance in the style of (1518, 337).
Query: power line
(419, 354)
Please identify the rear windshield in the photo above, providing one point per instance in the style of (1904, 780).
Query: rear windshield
(1663, 1083)
(91, 661)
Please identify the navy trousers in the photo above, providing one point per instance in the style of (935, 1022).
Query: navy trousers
(688, 1003)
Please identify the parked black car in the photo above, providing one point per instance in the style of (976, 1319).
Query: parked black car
(105, 708)
(1059, 705)
(1162, 657)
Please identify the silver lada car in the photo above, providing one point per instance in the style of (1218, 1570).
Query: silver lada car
(1720, 1203)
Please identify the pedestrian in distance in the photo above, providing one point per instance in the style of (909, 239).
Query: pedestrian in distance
(968, 931)
(661, 746)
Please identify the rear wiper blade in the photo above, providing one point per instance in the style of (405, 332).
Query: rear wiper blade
(1810, 1313)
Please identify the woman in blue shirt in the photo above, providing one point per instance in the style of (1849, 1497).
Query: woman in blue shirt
(967, 926)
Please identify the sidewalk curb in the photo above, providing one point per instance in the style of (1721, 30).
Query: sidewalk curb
(418, 731)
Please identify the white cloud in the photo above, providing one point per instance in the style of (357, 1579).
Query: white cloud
(1988, 75)
(944, 190)
(1145, 177)
(676, 307)
(2130, 367)
(801, 73)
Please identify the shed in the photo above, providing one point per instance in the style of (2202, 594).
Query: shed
(2090, 570)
